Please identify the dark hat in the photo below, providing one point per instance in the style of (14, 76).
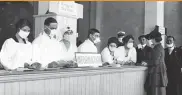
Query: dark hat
(154, 34)
(147, 36)
(121, 33)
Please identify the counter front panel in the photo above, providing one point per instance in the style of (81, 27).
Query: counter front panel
(127, 80)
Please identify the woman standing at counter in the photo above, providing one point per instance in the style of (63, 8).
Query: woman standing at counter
(157, 77)
(107, 53)
(126, 54)
(17, 51)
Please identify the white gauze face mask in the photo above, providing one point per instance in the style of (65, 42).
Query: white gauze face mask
(53, 33)
(23, 34)
(97, 40)
(169, 45)
(130, 45)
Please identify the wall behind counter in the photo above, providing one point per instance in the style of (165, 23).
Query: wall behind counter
(126, 16)
(173, 20)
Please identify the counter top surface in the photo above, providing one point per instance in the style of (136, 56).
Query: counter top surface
(14, 76)
(69, 70)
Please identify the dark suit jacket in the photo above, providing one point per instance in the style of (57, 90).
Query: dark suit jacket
(173, 64)
(144, 54)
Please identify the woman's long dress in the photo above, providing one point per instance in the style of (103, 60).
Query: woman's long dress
(157, 76)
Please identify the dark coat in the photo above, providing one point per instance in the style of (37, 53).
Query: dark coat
(157, 76)
(144, 54)
(120, 44)
(174, 65)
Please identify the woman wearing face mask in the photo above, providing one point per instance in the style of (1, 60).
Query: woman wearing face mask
(67, 48)
(107, 53)
(157, 76)
(17, 51)
(126, 54)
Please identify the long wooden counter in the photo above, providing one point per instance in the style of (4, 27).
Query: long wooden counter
(127, 80)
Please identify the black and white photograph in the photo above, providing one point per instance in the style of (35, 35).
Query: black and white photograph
(90, 48)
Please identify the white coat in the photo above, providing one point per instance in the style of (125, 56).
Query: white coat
(87, 46)
(14, 54)
(68, 54)
(46, 50)
(120, 54)
(106, 56)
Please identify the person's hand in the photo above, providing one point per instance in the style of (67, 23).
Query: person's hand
(115, 65)
(105, 64)
(53, 65)
(130, 62)
(121, 62)
(143, 63)
(71, 64)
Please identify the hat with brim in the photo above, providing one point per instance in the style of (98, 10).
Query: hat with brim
(67, 29)
(121, 33)
(153, 34)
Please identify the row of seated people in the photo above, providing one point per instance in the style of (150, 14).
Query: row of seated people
(46, 51)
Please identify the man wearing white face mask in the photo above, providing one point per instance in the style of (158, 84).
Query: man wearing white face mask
(126, 54)
(45, 48)
(89, 45)
(107, 53)
(17, 51)
(174, 65)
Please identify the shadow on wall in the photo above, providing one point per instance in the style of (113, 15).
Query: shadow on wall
(180, 20)
(10, 13)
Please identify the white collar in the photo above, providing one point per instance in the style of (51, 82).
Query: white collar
(172, 48)
(143, 45)
(140, 46)
(88, 40)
